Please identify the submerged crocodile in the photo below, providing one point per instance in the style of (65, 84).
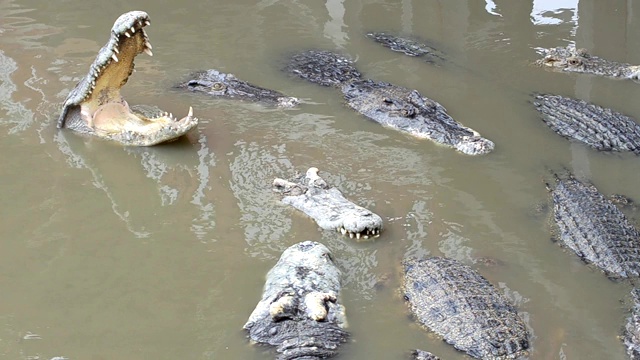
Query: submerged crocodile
(215, 83)
(600, 128)
(423, 355)
(594, 228)
(390, 105)
(408, 46)
(326, 205)
(571, 59)
(631, 337)
(456, 302)
(95, 106)
(300, 311)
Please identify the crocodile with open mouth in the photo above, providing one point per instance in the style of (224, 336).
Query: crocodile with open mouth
(96, 107)
(326, 205)
(571, 59)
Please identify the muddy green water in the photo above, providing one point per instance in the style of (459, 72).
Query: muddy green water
(160, 253)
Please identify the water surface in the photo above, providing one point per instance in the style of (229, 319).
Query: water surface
(126, 253)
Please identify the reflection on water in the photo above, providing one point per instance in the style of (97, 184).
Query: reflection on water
(162, 251)
(546, 12)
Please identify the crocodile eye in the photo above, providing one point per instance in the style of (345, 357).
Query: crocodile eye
(217, 86)
(573, 61)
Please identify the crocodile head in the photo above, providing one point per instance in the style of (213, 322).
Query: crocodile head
(326, 205)
(571, 59)
(215, 83)
(322, 67)
(96, 107)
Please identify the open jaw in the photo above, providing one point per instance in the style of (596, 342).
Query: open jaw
(96, 107)
(326, 205)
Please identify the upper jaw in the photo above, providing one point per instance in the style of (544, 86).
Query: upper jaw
(95, 105)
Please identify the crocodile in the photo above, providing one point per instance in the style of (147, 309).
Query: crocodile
(571, 59)
(598, 127)
(423, 355)
(326, 205)
(457, 303)
(95, 106)
(594, 227)
(300, 311)
(408, 46)
(631, 337)
(390, 105)
(218, 84)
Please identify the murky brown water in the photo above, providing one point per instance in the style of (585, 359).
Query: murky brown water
(121, 253)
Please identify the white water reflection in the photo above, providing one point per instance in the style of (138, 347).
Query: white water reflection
(554, 12)
(334, 28)
(492, 8)
(17, 117)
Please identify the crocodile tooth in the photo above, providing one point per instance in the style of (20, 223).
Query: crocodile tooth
(148, 52)
(358, 236)
(350, 234)
(126, 33)
(133, 30)
(343, 231)
(148, 44)
(114, 57)
(366, 237)
(147, 22)
(115, 50)
(171, 115)
(190, 112)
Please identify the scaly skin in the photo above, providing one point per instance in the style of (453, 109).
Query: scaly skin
(218, 84)
(327, 206)
(456, 302)
(392, 106)
(95, 106)
(407, 46)
(600, 128)
(631, 337)
(300, 311)
(594, 228)
(571, 59)
(423, 355)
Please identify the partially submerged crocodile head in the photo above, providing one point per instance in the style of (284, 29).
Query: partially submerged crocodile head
(407, 46)
(310, 194)
(300, 311)
(215, 83)
(322, 67)
(390, 105)
(96, 107)
(571, 59)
